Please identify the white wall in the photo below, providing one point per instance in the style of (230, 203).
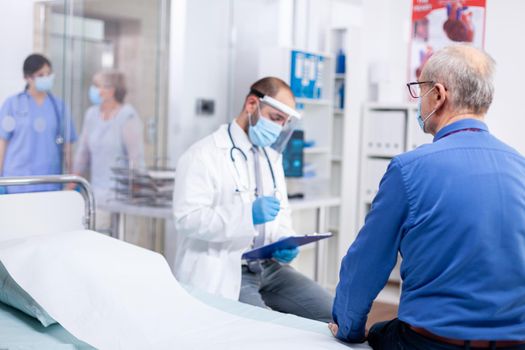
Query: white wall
(16, 39)
(256, 24)
(504, 42)
(387, 31)
(199, 68)
(214, 54)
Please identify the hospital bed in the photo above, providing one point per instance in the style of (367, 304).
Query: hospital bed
(64, 211)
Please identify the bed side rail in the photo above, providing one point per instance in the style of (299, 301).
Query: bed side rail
(85, 190)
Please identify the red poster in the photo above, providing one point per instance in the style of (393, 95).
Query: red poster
(439, 23)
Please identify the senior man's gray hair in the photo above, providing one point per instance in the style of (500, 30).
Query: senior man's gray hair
(467, 74)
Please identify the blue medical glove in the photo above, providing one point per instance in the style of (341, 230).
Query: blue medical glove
(265, 209)
(285, 256)
(3, 190)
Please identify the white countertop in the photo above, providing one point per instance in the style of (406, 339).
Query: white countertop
(114, 206)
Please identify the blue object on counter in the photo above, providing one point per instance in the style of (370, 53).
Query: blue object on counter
(293, 155)
(341, 93)
(340, 66)
(3, 190)
(308, 143)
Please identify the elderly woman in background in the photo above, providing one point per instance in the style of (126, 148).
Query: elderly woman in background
(111, 135)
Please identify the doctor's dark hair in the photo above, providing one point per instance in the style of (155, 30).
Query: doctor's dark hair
(33, 63)
(269, 86)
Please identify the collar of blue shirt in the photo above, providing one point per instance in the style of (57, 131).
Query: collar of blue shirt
(461, 125)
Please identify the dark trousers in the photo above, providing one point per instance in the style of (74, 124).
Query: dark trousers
(396, 335)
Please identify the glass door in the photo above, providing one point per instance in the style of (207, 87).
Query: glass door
(83, 37)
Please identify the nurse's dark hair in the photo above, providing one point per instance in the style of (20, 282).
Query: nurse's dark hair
(269, 86)
(33, 63)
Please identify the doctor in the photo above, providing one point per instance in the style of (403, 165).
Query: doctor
(230, 195)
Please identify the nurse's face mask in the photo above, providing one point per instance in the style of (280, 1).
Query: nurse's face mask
(43, 79)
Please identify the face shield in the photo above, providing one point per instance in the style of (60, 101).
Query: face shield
(291, 123)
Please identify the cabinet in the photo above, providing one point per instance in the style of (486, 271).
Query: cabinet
(388, 130)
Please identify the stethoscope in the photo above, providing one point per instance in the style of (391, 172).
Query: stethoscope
(59, 139)
(234, 149)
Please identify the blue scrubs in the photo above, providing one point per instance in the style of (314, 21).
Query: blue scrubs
(31, 131)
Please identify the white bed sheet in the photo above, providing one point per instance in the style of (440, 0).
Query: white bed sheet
(114, 295)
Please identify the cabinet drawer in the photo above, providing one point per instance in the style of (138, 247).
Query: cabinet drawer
(385, 136)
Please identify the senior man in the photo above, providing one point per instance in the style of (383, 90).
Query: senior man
(455, 210)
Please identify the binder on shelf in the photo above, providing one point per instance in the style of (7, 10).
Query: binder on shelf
(266, 251)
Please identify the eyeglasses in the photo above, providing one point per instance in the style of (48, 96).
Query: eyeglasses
(414, 88)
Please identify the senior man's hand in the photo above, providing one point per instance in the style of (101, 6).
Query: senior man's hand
(334, 328)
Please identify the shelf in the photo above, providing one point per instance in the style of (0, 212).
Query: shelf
(391, 106)
(313, 101)
(340, 76)
(316, 150)
(337, 159)
(314, 202)
(339, 112)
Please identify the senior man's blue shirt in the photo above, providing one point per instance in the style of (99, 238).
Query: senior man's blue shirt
(455, 210)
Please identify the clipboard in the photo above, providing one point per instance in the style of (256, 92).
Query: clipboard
(266, 251)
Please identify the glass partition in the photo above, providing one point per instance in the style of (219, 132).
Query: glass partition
(83, 37)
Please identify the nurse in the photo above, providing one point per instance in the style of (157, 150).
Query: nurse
(230, 196)
(36, 130)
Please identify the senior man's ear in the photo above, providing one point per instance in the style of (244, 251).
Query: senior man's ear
(441, 92)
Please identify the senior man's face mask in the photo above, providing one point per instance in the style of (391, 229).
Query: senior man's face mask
(263, 134)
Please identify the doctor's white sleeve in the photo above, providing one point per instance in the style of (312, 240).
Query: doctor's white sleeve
(196, 214)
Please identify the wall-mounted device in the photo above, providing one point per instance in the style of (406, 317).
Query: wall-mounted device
(205, 107)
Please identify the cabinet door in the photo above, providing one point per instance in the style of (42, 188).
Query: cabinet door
(385, 133)
(373, 172)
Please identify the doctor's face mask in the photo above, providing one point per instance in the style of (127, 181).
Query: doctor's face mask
(265, 132)
(277, 120)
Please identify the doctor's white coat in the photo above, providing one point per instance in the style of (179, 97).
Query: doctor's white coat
(213, 215)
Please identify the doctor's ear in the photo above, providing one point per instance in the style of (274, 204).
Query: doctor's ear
(250, 104)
